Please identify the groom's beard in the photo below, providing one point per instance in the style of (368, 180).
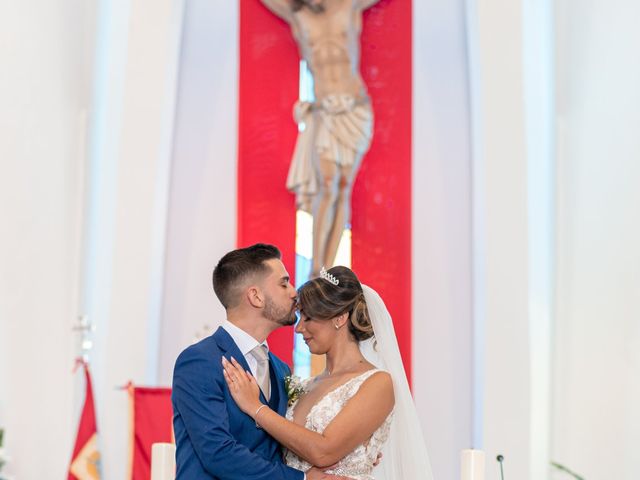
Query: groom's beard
(278, 314)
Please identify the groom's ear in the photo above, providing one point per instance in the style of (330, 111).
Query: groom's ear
(255, 297)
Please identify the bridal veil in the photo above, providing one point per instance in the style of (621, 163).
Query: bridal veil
(405, 453)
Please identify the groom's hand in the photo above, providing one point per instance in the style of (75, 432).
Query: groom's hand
(317, 474)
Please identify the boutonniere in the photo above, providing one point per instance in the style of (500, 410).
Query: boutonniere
(294, 388)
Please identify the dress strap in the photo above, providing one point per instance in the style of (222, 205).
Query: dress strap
(354, 384)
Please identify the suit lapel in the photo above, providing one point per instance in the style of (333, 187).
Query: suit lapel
(277, 379)
(229, 348)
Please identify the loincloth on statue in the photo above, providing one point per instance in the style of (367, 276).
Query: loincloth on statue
(339, 127)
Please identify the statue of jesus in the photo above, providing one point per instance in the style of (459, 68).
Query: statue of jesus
(338, 124)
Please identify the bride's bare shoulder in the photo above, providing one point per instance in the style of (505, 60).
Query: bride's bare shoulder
(380, 377)
(379, 383)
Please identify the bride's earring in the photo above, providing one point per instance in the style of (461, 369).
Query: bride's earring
(336, 325)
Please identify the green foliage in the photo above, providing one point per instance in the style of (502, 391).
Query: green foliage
(2, 460)
(564, 469)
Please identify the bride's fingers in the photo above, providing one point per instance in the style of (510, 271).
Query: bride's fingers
(229, 377)
(230, 365)
(227, 365)
(251, 380)
(236, 364)
(233, 376)
(230, 382)
(236, 375)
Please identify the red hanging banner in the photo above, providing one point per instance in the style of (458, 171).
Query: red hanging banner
(85, 460)
(151, 422)
(381, 222)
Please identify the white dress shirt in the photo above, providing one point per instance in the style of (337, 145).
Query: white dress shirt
(245, 343)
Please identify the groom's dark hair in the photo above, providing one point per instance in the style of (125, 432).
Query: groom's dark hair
(238, 265)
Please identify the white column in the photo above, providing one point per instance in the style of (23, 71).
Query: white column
(500, 249)
(442, 296)
(202, 204)
(134, 96)
(539, 83)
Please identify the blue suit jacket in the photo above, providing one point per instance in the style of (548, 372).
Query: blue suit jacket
(214, 438)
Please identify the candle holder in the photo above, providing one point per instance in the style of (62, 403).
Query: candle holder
(472, 464)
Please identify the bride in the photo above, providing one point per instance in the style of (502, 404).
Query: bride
(360, 405)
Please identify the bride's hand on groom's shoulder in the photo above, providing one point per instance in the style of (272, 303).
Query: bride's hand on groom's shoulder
(242, 385)
(317, 474)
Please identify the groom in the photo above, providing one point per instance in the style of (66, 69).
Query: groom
(214, 439)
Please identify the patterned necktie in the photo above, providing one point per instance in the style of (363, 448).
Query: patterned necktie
(262, 370)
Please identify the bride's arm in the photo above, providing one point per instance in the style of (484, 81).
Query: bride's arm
(361, 416)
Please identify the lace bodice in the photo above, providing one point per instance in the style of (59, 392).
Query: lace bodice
(359, 463)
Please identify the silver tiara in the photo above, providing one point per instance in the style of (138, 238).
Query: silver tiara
(327, 276)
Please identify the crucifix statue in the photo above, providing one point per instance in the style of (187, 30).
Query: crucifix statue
(338, 125)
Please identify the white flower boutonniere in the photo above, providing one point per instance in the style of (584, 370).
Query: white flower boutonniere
(294, 388)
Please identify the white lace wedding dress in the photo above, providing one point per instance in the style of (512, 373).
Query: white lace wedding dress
(359, 463)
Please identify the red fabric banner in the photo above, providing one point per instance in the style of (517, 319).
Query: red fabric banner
(151, 422)
(381, 223)
(266, 137)
(85, 461)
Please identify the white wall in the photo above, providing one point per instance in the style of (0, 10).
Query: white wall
(43, 89)
(202, 205)
(442, 321)
(596, 422)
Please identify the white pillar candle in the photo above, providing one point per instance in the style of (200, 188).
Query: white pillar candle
(472, 465)
(163, 461)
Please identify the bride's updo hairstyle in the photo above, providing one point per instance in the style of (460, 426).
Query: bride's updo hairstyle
(320, 299)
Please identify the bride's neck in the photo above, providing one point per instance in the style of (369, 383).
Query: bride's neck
(343, 357)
